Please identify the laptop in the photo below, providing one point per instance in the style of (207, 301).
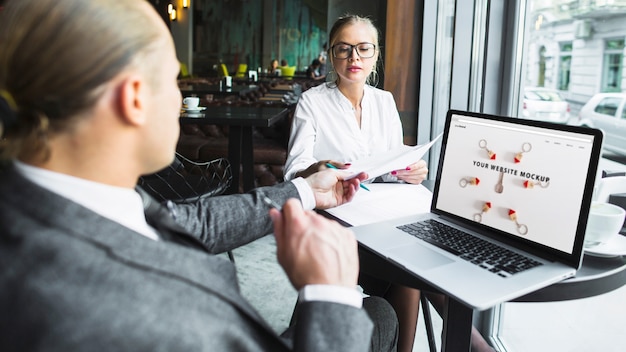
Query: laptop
(508, 212)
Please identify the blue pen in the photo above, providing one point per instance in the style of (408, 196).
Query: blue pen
(329, 165)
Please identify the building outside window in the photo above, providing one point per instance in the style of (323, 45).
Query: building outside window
(572, 49)
(586, 36)
(586, 39)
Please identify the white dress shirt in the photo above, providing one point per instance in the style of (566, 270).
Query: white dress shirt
(325, 127)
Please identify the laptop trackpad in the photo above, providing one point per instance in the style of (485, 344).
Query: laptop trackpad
(419, 256)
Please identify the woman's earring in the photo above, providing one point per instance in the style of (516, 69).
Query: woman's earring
(373, 79)
(331, 77)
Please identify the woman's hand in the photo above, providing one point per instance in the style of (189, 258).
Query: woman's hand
(414, 173)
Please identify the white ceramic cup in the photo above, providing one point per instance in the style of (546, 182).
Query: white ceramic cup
(605, 221)
(191, 102)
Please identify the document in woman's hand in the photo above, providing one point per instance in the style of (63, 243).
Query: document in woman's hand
(395, 159)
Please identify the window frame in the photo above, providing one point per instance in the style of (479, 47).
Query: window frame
(607, 64)
(565, 59)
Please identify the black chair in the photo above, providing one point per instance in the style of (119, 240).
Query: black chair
(187, 181)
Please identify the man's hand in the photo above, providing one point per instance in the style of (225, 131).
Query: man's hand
(414, 173)
(330, 188)
(312, 249)
(319, 166)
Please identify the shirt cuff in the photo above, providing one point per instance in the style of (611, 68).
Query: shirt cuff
(331, 293)
(307, 197)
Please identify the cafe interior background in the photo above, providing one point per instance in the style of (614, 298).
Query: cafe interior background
(210, 32)
(476, 55)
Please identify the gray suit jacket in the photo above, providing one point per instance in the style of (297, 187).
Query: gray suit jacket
(73, 280)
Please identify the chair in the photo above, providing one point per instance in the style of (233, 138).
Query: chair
(287, 72)
(186, 181)
(242, 71)
(224, 70)
(184, 71)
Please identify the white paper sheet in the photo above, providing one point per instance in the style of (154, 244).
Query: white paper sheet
(384, 201)
(386, 162)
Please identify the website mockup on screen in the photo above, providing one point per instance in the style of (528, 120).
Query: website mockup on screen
(512, 177)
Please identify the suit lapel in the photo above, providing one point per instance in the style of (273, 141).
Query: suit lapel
(191, 265)
(160, 217)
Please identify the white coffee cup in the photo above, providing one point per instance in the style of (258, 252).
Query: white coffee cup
(605, 221)
(191, 102)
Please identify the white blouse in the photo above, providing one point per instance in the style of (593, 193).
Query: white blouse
(324, 127)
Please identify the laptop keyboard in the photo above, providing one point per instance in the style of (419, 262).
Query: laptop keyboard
(486, 255)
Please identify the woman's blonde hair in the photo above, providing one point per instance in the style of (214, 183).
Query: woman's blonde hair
(56, 56)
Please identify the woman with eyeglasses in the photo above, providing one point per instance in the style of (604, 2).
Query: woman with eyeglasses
(348, 119)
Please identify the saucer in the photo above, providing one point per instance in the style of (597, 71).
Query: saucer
(199, 108)
(193, 114)
(614, 247)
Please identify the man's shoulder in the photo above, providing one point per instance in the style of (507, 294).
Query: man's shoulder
(11, 183)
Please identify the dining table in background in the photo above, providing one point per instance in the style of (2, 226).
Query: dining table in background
(241, 120)
(216, 90)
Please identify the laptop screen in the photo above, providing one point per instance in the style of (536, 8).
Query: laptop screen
(530, 181)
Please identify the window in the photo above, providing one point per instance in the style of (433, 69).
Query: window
(541, 78)
(612, 65)
(608, 106)
(586, 40)
(484, 55)
(565, 65)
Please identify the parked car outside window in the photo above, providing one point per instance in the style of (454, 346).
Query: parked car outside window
(607, 111)
(545, 105)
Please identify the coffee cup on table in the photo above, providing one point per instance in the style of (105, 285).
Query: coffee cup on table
(605, 221)
(191, 103)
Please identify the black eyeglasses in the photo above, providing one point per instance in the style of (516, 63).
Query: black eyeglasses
(343, 51)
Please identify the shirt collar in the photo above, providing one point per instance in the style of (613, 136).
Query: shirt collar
(122, 205)
(344, 102)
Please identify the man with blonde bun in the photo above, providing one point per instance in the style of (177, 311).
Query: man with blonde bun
(89, 102)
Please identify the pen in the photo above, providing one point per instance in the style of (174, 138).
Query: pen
(329, 165)
(270, 203)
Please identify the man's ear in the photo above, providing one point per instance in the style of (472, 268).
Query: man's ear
(132, 99)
